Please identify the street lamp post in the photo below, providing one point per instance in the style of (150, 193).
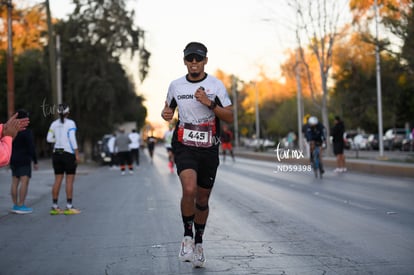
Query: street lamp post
(379, 96)
(10, 69)
(235, 111)
(257, 116)
(52, 55)
(299, 101)
(58, 71)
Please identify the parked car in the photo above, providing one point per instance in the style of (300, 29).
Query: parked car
(349, 139)
(103, 156)
(393, 138)
(360, 142)
(254, 143)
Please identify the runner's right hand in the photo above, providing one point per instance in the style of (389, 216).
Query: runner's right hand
(167, 113)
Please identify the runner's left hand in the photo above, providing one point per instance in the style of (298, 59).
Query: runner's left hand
(202, 97)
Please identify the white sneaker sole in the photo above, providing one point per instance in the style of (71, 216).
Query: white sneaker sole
(21, 212)
(186, 258)
(198, 264)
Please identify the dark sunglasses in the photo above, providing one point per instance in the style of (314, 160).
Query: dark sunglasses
(191, 57)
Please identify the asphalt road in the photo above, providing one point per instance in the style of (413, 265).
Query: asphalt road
(261, 222)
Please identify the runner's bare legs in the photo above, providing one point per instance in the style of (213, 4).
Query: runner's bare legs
(193, 194)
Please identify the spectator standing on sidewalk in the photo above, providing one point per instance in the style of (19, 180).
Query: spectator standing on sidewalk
(338, 131)
(202, 101)
(65, 158)
(134, 146)
(122, 142)
(23, 154)
(8, 132)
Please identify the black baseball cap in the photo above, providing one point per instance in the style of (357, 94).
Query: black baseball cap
(195, 48)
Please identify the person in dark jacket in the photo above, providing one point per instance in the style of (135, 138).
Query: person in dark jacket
(8, 131)
(23, 154)
(338, 144)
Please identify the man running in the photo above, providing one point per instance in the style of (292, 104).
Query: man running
(202, 101)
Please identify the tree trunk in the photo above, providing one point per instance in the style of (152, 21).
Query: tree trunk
(325, 119)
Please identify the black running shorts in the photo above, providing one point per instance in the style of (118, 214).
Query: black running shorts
(64, 162)
(125, 157)
(204, 161)
(20, 171)
(338, 148)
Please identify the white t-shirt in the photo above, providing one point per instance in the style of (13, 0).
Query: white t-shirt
(111, 144)
(63, 135)
(134, 137)
(181, 94)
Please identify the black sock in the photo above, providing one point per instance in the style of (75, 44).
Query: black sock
(199, 231)
(188, 225)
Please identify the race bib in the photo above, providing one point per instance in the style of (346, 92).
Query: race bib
(196, 135)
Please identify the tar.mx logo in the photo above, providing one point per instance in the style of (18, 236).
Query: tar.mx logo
(289, 154)
(48, 109)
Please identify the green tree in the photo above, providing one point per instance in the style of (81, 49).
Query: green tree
(407, 77)
(355, 94)
(319, 23)
(107, 24)
(408, 47)
(94, 82)
(28, 27)
(31, 93)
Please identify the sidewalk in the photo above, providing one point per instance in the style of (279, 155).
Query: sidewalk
(394, 163)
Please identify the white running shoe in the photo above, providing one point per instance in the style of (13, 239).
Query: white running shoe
(187, 249)
(198, 258)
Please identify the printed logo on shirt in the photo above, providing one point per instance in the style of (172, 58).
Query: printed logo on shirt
(179, 97)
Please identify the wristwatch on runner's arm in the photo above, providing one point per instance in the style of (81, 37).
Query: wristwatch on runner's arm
(213, 105)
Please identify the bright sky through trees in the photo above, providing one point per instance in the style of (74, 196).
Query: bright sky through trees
(244, 38)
